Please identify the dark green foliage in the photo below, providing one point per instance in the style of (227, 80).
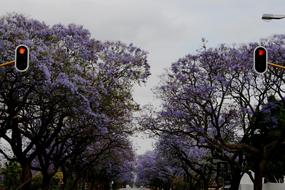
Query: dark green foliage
(11, 174)
(268, 134)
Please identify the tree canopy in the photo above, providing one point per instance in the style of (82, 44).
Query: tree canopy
(76, 96)
(212, 97)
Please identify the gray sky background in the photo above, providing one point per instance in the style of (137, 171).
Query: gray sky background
(167, 29)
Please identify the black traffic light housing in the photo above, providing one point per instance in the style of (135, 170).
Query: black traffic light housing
(260, 60)
(22, 58)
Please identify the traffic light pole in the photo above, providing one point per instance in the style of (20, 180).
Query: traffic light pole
(276, 65)
(7, 63)
(13, 62)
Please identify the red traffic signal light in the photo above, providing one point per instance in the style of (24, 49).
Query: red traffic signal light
(22, 58)
(260, 60)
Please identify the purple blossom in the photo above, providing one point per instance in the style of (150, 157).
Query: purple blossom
(46, 72)
(104, 131)
(63, 80)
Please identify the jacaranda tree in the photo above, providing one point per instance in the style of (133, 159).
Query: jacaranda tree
(75, 89)
(213, 97)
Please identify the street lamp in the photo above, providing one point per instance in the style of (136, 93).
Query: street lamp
(272, 16)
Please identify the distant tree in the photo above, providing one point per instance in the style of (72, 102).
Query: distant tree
(183, 153)
(155, 170)
(101, 163)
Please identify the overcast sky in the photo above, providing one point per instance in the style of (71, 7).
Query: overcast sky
(167, 29)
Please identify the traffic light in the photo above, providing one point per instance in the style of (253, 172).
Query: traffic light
(260, 60)
(22, 58)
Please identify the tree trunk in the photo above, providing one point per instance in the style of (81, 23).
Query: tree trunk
(66, 176)
(26, 176)
(235, 183)
(46, 182)
(92, 186)
(75, 183)
(258, 181)
(259, 173)
(236, 177)
(205, 184)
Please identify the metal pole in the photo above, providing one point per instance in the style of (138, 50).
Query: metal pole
(7, 63)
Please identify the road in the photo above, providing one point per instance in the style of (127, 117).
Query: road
(134, 188)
